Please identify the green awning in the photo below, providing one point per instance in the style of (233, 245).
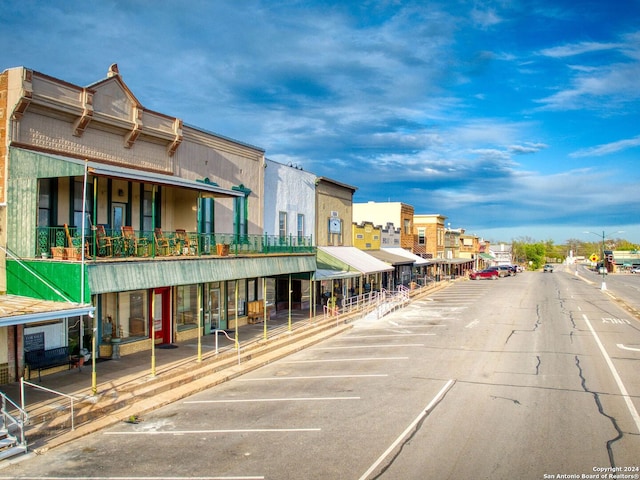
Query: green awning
(121, 276)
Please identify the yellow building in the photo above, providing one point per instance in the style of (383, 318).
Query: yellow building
(366, 236)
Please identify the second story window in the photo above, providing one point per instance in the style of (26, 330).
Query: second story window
(282, 224)
(78, 188)
(300, 226)
(407, 226)
(422, 238)
(46, 202)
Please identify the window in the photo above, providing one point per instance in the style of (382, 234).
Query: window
(45, 203)
(407, 226)
(147, 210)
(78, 188)
(241, 211)
(231, 298)
(282, 224)
(186, 306)
(300, 226)
(422, 238)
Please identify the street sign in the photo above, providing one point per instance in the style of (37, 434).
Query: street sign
(594, 257)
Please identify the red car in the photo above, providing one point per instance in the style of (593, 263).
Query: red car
(486, 273)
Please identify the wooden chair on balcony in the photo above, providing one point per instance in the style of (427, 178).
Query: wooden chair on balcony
(133, 245)
(185, 244)
(74, 246)
(104, 243)
(163, 244)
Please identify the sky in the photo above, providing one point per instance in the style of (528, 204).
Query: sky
(517, 120)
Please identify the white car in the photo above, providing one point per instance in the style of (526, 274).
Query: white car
(635, 270)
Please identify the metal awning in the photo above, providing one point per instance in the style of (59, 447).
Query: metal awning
(350, 259)
(390, 258)
(419, 261)
(328, 274)
(18, 310)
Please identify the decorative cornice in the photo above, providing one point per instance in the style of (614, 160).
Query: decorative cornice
(25, 97)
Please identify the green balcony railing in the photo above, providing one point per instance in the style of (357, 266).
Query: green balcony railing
(100, 243)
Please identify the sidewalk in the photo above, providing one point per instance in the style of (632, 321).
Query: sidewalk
(126, 388)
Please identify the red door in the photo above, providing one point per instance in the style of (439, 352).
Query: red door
(161, 314)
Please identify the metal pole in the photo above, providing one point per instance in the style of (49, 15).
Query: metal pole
(289, 302)
(94, 374)
(264, 299)
(236, 315)
(200, 323)
(153, 333)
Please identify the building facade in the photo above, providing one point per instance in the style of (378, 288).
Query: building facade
(157, 225)
(381, 213)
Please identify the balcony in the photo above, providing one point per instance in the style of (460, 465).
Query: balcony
(65, 243)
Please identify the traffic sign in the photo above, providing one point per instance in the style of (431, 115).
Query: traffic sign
(594, 257)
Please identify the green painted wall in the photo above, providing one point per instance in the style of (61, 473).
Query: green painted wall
(63, 276)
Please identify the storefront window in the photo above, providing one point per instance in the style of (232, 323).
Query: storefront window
(186, 306)
(231, 298)
(131, 320)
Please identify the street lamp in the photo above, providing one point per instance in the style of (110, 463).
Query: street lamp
(603, 270)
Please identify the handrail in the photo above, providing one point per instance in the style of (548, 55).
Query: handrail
(19, 422)
(23, 382)
(51, 242)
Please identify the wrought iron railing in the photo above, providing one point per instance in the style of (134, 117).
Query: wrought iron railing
(99, 243)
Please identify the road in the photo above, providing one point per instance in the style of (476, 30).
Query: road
(527, 377)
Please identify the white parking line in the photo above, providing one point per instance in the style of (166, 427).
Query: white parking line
(199, 432)
(616, 377)
(621, 345)
(289, 399)
(374, 346)
(368, 359)
(310, 377)
(407, 431)
(392, 335)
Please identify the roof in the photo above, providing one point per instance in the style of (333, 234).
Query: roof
(350, 259)
(390, 258)
(18, 310)
(419, 261)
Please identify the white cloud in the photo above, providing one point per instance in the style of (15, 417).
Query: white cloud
(608, 148)
(571, 50)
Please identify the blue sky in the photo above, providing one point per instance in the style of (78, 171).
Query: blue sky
(515, 119)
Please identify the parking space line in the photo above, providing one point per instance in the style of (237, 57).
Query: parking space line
(392, 335)
(374, 346)
(310, 377)
(199, 432)
(286, 399)
(329, 360)
(407, 431)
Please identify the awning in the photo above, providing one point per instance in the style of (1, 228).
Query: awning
(350, 259)
(486, 256)
(418, 261)
(327, 274)
(390, 258)
(18, 310)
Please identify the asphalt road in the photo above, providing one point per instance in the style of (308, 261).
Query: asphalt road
(526, 377)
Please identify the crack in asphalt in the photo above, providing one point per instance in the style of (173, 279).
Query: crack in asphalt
(613, 421)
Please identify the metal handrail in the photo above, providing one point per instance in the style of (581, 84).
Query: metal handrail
(23, 382)
(9, 419)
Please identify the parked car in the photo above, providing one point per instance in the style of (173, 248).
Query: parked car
(503, 270)
(635, 270)
(486, 273)
(548, 268)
